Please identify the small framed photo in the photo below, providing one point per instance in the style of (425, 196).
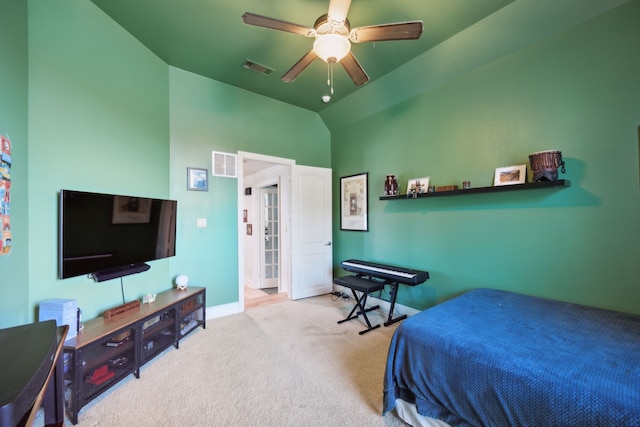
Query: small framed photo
(245, 215)
(249, 229)
(354, 202)
(197, 179)
(417, 186)
(510, 175)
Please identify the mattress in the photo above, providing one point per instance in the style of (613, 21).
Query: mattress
(491, 357)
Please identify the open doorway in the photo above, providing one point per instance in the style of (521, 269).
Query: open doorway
(305, 225)
(264, 240)
(269, 225)
(266, 288)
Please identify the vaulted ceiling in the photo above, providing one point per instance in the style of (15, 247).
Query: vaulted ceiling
(209, 38)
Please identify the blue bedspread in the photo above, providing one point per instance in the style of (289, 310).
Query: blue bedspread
(496, 358)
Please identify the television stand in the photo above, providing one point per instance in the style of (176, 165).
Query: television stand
(109, 349)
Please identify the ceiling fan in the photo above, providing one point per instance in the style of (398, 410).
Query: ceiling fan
(333, 37)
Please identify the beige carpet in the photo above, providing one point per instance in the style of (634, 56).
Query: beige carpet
(286, 364)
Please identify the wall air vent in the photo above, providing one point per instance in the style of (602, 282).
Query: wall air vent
(224, 164)
(257, 68)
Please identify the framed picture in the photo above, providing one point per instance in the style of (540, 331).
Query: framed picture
(249, 229)
(197, 179)
(354, 202)
(510, 175)
(417, 186)
(245, 215)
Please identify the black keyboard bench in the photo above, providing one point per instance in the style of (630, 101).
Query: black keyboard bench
(360, 288)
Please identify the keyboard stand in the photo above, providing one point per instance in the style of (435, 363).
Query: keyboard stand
(394, 294)
(360, 288)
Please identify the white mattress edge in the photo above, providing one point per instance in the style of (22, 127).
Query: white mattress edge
(409, 414)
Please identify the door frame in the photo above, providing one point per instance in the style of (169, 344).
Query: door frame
(285, 218)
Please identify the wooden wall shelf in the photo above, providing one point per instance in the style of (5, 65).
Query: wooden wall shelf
(499, 189)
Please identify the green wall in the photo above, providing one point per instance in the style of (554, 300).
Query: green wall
(88, 107)
(104, 114)
(207, 115)
(576, 92)
(14, 277)
(98, 121)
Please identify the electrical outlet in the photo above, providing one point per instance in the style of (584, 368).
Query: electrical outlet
(201, 222)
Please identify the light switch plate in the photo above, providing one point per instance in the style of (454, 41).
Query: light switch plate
(201, 222)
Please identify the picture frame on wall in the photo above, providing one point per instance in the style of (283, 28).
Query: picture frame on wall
(354, 206)
(197, 179)
(510, 175)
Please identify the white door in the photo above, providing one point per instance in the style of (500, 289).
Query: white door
(312, 255)
(270, 241)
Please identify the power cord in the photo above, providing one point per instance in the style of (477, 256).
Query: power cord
(336, 295)
(122, 289)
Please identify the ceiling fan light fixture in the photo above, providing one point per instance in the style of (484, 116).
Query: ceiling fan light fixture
(331, 47)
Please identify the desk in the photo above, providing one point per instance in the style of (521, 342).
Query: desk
(28, 358)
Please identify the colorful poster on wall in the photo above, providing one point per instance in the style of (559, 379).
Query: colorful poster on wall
(5, 195)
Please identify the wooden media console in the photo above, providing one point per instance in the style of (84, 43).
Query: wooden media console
(111, 347)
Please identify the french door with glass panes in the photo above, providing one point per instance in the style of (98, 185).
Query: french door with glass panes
(270, 242)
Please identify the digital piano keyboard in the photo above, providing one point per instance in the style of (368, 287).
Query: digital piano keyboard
(406, 276)
(373, 277)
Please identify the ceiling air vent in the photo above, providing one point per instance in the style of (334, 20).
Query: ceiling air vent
(224, 164)
(257, 68)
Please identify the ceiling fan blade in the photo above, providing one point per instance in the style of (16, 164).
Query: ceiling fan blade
(354, 69)
(276, 24)
(299, 67)
(398, 31)
(338, 10)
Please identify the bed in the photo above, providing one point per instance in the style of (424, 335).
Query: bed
(490, 357)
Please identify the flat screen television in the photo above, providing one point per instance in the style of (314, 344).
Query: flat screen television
(106, 236)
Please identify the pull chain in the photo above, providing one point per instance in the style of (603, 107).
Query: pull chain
(330, 77)
(331, 70)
